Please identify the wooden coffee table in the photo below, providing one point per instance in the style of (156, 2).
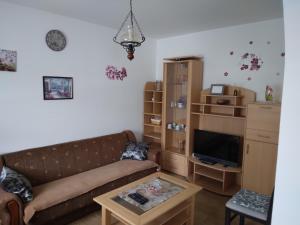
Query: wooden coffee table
(176, 210)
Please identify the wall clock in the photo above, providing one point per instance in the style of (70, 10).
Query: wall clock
(56, 40)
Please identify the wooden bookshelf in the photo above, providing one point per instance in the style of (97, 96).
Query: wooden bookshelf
(153, 99)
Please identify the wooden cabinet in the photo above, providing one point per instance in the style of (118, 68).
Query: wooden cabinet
(259, 166)
(263, 117)
(182, 85)
(260, 147)
(174, 162)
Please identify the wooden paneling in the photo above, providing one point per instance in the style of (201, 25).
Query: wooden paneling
(259, 166)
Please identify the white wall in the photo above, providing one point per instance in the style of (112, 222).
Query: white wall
(215, 45)
(287, 196)
(100, 106)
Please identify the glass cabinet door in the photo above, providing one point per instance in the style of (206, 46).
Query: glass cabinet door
(176, 105)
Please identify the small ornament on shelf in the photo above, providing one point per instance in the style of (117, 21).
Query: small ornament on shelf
(235, 92)
(269, 93)
(155, 120)
(157, 85)
(181, 102)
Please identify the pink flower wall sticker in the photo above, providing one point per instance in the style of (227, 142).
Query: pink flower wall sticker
(113, 73)
(250, 61)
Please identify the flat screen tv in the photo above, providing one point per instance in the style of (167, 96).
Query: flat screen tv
(217, 148)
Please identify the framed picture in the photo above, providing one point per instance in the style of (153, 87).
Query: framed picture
(57, 88)
(217, 89)
(8, 60)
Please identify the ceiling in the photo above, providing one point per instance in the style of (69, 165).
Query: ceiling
(164, 18)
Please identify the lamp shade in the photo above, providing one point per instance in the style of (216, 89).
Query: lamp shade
(129, 35)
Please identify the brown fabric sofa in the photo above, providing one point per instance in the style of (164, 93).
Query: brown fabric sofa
(66, 177)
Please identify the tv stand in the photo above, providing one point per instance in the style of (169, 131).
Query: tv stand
(215, 178)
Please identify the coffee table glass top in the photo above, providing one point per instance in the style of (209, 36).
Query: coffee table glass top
(156, 190)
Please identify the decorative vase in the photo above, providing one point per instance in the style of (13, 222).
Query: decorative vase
(269, 93)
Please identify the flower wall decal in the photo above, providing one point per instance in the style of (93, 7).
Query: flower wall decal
(250, 61)
(113, 73)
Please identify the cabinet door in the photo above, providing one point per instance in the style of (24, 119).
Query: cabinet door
(259, 166)
(263, 117)
(175, 163)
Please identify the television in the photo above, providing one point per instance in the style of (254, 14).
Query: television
(212, 147)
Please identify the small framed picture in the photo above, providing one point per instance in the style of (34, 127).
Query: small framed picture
(217, 89)
(8, 60)
(57, 88)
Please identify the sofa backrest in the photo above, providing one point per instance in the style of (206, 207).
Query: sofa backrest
(45, 164)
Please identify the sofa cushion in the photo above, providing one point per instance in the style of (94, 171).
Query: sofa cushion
(135, 151)
(45, 164)
(76, 208)
(16, 183)
(61, 190)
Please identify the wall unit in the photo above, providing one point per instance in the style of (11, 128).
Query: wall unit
(260, 152)
(227, 118)
(153, 100)
(208, 114)
(182, 85)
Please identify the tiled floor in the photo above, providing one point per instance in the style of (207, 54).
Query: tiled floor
(209, 211)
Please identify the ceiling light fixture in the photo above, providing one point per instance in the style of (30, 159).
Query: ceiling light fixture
(130, 34)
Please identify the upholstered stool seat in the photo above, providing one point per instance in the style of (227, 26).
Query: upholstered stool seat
(249, 204)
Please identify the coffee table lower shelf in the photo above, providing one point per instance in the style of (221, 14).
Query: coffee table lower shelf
(179, 215)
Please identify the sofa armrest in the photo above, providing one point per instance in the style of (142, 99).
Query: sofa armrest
(154, 153)
(11, 209)
(130, 135)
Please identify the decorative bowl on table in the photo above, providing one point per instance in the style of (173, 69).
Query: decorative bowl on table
(155, 121)
(223, 101)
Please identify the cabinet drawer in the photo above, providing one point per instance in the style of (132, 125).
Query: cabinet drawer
(263, 117)
(261, 135)
(174, 163)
